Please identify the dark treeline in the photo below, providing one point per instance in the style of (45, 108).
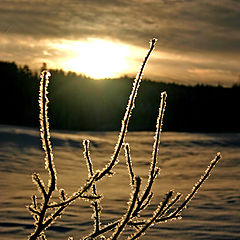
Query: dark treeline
(80, 103)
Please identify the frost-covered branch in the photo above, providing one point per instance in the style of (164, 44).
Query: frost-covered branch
(45, 211)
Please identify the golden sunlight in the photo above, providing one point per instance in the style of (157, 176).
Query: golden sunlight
(95, 58)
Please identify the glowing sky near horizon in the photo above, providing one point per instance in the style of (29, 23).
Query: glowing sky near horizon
(95, 58)
(198, 41)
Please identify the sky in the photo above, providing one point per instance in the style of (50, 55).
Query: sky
(198, 40)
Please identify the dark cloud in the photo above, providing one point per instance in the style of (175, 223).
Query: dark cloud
(205, 27)
(182, 25)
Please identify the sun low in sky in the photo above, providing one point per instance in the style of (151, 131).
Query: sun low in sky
(94, 57)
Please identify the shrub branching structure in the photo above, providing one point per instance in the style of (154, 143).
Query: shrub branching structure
(46, 212)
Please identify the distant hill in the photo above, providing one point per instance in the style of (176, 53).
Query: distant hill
(80, 103)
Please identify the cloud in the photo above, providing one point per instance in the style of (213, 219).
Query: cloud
(192, 28)
(184, 25)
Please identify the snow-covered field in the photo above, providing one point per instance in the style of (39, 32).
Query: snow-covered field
(213, 214)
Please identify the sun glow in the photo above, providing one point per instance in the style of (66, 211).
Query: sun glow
(95, 58)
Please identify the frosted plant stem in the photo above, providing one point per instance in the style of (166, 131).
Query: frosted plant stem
(127, 217)
(156, 214)
(130, 107)
(158, 134)
(125, 121)
(36, 178)
(46, 144)
(136, 203)
(196, 187)
(44, 129)
(105, 229)
(129, 164)
(95, 204)
(161, 216)
(153, 169)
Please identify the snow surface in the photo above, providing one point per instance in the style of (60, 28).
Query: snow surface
(213, 214)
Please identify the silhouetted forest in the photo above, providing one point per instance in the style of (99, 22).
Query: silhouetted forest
(80, 103)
